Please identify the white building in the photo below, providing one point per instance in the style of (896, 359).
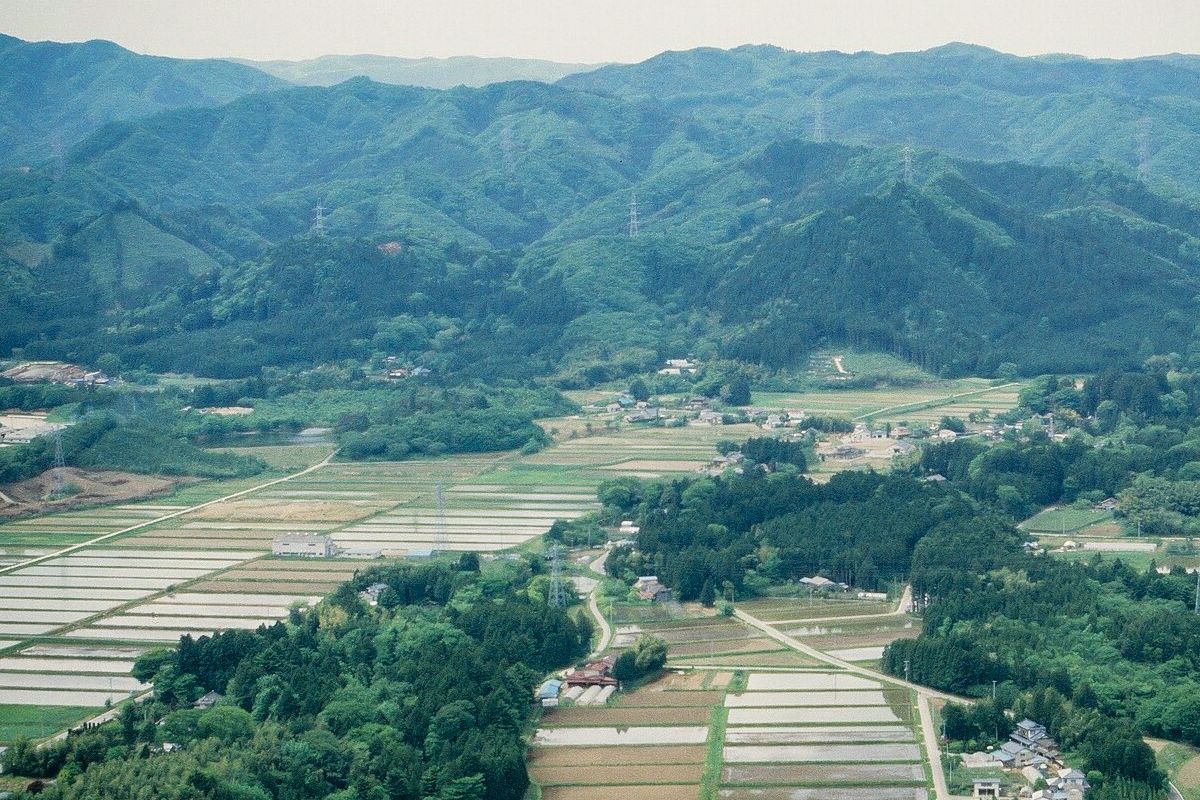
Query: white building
(300, 544)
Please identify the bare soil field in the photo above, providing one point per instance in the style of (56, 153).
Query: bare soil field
(824, 774)
(623, 735)
(646, 715)
(650, 697)
(602, 756)
(95, 487)
(615, 775)
(818, 734)
(285, 511)
(822, 753)
(847, 793)
(265, 587)
(647, 792)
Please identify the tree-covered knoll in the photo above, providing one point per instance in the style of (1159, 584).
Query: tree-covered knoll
(758, 529)
(427, 695)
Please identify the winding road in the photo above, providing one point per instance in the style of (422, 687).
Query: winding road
(606, 631)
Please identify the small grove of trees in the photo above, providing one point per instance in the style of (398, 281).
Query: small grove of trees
(645, 659)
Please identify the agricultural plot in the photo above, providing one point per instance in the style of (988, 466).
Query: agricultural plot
(923, 403)
(819, 734)
(651, 743)
(1065, 520)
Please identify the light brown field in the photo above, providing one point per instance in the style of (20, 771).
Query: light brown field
(726, 646)
(595, 775)
(646, 715)
(283, 511)
(298, 574)
(264, 587)
(643, 698)
(646, 792)
(823, 773)
(582, 756)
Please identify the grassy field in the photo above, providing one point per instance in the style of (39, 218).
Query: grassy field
(913, 404)
(1182, 765)
(34, 722)
(1065, 520)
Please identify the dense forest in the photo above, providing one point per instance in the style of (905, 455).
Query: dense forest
(427, 695)
(482, 230)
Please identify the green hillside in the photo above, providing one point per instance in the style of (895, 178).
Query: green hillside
(961, 99)
(182, 240)
(53, 94)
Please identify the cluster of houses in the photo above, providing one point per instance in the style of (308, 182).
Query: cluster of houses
(1032, 752)
(56, 372)
(679, 366)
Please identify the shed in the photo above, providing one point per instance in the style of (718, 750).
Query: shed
(549, 689)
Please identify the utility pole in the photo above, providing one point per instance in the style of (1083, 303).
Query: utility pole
(993, 689)
(633, 216)
(907, 670)
(1197, 606)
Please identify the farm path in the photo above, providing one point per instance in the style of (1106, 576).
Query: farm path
(597, 566)
(837, 364)
(923, 693)
(100, 539)
(949, 399)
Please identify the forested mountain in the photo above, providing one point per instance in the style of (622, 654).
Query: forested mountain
(53, 94)
(432, 73)
(965, 100)
(502, 212)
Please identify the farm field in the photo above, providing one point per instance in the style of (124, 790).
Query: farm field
(1182, 765)
(919, 404)
(208, 569)
(1066, 520)
(796, 731)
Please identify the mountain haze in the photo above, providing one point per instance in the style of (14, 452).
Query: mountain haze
(431, 73)
(53, 94)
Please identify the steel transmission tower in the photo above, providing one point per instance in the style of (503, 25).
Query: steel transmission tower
(907, 153)
(58, 481)
(633, 216)
(556, 596)
(818, 129)
(439, 540)
(318, 223)
(1143, 149)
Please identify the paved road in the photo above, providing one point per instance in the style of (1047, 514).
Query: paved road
(606, 632)
(92, 542)
(923, 692)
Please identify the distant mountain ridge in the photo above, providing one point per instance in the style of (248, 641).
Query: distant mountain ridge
(186, 234)
(54, 94)
(430, 73)
(960, 99)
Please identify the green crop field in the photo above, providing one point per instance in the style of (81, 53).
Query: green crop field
(35, 722)
(1065, 520)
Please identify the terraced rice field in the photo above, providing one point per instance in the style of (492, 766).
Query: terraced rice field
(652, 743)
(820, 734)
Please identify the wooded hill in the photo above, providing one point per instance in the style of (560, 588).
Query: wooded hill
(505, 209)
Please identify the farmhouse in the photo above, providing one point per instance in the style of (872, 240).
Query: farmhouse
(649, 588)
(371, 594)
(595, 673)
(299, 544)
(648, 414)
(823, 584)
(208, 701)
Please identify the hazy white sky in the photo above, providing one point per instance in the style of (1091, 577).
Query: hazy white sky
(604, 30)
